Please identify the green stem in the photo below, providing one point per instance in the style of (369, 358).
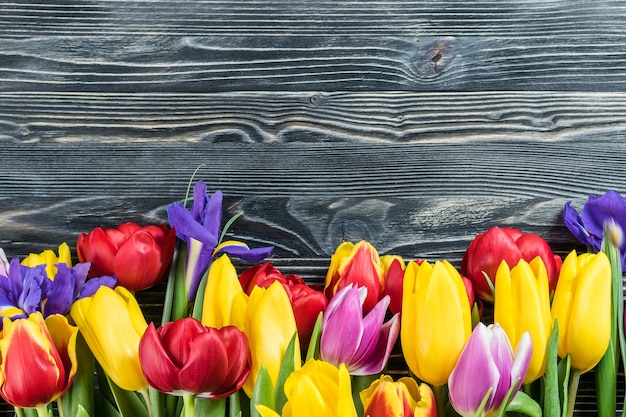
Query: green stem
(440, 399)
(19, 412)
(146, 397)
(574, 378)
(60, 406)
(42, 410)
(189, 406)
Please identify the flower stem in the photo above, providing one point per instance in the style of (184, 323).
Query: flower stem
(146, 397)
(574, 378)
(42, 410)
(189, 406)
(440, 399)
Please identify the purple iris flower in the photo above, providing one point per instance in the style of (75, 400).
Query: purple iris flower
(200, 229)
(20, 291)
(69, 285)
(588, 227)
(363, 344)
(488, 362)
(24, 290)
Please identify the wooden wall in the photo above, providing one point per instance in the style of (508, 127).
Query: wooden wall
(412, 124)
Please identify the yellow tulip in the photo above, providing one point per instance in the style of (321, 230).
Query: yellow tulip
(112, 324)
(318, 389)
(49, 258)
(225, 302)
(522, 304)
(436, 320)
(582, 307)
(270, 327)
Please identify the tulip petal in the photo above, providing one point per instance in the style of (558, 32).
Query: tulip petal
(137, 264)
(27, 351)
(474, 375)
(96, 248)
(158, 368)
(522, 356)
(342, 327)
(207, 363)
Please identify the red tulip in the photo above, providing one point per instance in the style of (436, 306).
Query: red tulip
(394, 277)
(38, 359)
(487, 250)
(139, 257)
(359, 265)
(186, 357)
(307, 301)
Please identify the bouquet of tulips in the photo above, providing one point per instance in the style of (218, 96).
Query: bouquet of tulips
(259, 343)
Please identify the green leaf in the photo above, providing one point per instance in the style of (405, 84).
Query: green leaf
(522, 403)
(483, 403)
(286, 368)
(228, 224)
(551, 398)
(168, 302)
(564, 375)
(128, 402)
(81, 412)
(199, 301)
(313, 351)
(157, 403)
(180, 304)
(210, 408)
(234, 405)
(262, 393)
(104, 408)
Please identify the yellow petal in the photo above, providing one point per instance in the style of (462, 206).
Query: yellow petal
(271, 325)
(112, 325)
(225, 302)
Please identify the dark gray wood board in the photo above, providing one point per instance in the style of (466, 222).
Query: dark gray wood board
(412, 124)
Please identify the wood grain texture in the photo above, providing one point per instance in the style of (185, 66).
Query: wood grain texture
(412, 124)
(374, 117)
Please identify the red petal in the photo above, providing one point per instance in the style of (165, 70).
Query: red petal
(137, 264)
(207, 364)
(33, 374)
(156, 364)
(96, 248)
(178, 339)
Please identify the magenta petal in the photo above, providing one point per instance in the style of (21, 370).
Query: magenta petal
(372, 324)
(377, 359)
(474, 374)
(502, 354)
(342, 328)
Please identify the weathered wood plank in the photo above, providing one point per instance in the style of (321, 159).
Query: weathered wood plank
(375, 117)
(419, 62)
(524, 18)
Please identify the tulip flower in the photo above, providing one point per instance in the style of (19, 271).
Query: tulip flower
(403, 398)
(307, 301)
(394, 275)
(363, 344)
(200, 229)
(588, 227)
(112, 324)
(318, 389)
(582, 310)
(522, 305)
(271, 326)
(186, 357)
(138, 257)
(38, 360)
(359, 265)
(488, 367)
(436, 320)
(484, 254)
(225, 303)
(50, 259)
